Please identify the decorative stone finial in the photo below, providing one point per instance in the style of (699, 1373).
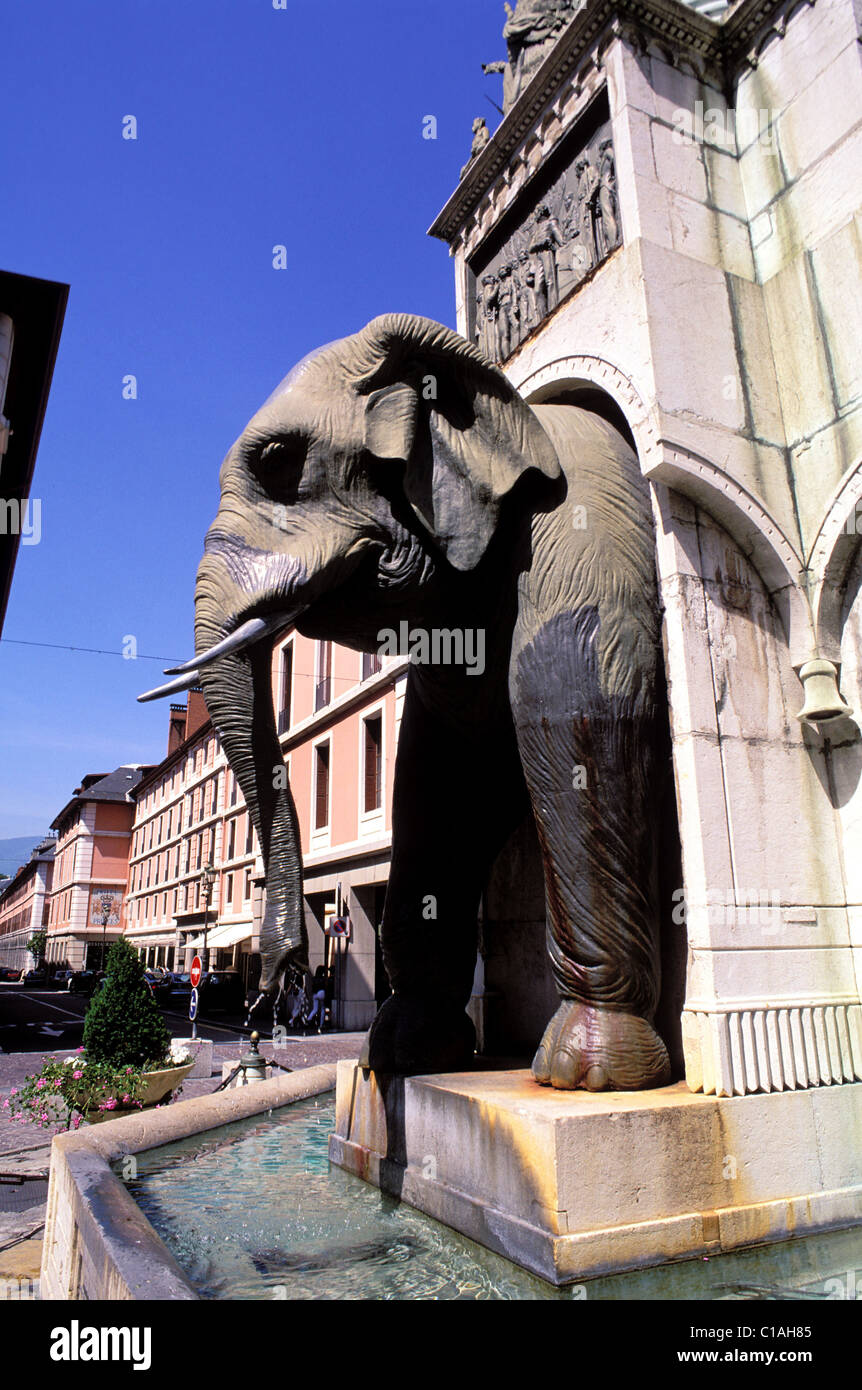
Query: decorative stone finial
(481, 136)
(823, 699)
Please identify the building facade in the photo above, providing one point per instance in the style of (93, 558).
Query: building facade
(85, 907)
(196, 877)
(24, 906)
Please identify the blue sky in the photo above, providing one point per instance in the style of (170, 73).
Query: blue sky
(256, 127)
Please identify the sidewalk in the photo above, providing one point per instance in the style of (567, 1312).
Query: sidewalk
(25, 1150)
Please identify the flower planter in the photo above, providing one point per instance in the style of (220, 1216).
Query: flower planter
(157, 1086)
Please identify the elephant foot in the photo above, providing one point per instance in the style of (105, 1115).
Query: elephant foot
(414, 1036)
(591, 1049)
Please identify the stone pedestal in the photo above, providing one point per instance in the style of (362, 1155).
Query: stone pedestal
(575, 1185)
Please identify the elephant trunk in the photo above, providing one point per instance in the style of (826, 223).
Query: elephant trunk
(238, 695)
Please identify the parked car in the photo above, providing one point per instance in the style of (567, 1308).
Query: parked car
(176, 992)
(35, 977)
(60, 980)
(9, 974)
(84, 982)
(222, 991)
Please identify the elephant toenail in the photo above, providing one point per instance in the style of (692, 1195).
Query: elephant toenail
(596, 1078)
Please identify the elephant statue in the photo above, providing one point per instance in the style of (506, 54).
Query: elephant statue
(396, 476)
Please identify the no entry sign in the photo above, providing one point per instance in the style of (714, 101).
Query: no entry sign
(195, 974)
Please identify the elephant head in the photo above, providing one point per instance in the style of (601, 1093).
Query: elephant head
(380, 461)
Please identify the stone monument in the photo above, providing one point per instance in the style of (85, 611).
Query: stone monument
(664, 229)
(652, 422)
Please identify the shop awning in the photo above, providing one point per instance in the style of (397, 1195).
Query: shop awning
(225, 935)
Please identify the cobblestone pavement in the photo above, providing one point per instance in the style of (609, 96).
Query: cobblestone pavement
(25, 1150)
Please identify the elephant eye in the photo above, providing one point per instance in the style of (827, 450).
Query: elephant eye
(278, 456)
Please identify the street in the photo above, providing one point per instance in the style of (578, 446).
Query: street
(49, 1020)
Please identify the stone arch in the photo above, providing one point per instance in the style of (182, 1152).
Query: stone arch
(833, 560)
(758, 535)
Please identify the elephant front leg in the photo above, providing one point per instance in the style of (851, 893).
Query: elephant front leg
(458, 794)
(591, 764)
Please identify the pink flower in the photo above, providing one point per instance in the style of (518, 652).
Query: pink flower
(57, 1083)
(126, 1099)
(40, 1083)
(109, 1104)
(76, 1075)
(5, 1105)
(128, 1070)
(14, 1091)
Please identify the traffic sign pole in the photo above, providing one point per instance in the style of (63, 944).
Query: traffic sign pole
(195, 977)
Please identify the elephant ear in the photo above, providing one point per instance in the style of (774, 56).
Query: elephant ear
(460, 428)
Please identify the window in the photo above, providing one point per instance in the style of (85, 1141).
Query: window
(231, 839)
(246, 892)
(373, 763)
(249, 833)
(228, 893)
(321, 786)
(371, 664)
(286, 688)
(323, 684)
(233, 789)
(214, 799)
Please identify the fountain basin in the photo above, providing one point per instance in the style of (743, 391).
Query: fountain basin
(98, 1243)
(256, 1211)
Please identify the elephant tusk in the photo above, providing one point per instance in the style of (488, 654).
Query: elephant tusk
(172, 688)
(251, 631)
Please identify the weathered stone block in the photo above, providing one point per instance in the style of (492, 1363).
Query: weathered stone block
(572, 1185)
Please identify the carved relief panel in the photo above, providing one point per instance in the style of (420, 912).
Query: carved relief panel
(566, 225)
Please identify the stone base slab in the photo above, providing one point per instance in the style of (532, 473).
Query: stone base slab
(573, 1185)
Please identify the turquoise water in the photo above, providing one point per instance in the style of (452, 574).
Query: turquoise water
(255, 1211)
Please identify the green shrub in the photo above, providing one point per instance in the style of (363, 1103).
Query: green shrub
(124, 1025)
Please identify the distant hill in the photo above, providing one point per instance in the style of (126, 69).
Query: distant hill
(14, 853)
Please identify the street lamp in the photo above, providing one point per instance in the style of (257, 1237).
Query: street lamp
(207, 880)
(106, 902)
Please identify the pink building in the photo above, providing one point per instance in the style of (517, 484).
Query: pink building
(190, 814)
(86, 910)
(24, 906)
(338, 714)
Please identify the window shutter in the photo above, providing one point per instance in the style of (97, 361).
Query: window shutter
(321, 816)
(373, 729)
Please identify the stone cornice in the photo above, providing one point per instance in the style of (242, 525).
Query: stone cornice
(716, 48)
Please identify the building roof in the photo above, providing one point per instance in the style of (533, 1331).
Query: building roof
(36, 308)
(112, 786)
(43, 852)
